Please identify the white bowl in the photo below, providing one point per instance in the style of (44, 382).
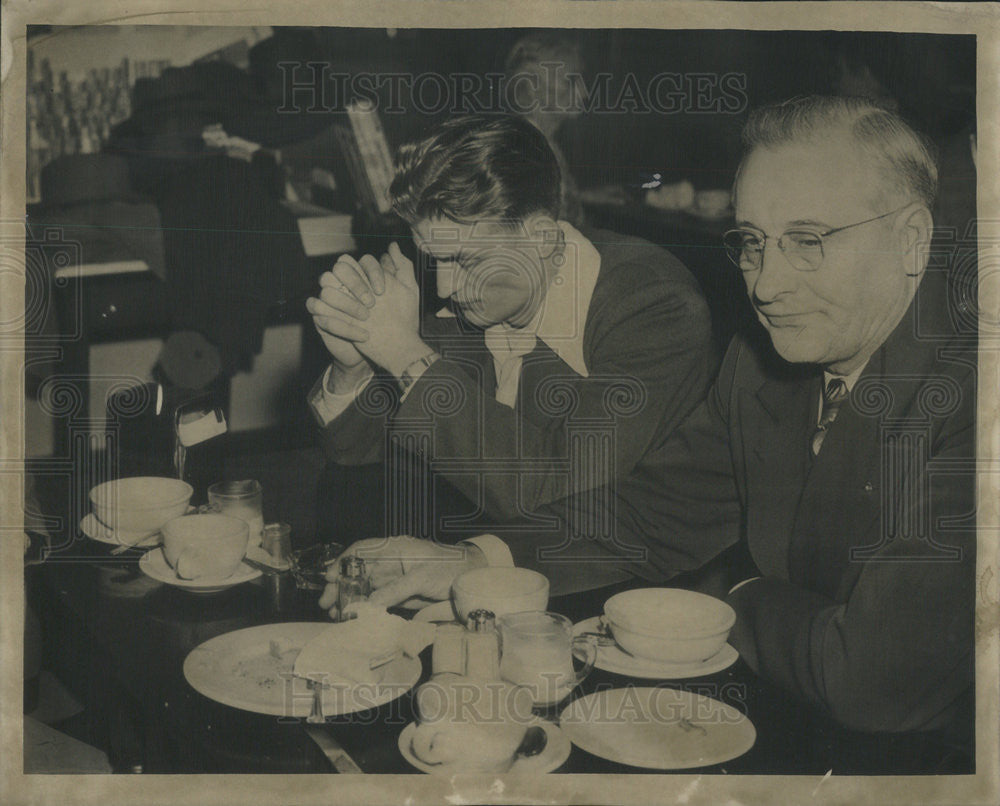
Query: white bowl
(669, 624)
(499, 590)
(138, 506)
(205, 545)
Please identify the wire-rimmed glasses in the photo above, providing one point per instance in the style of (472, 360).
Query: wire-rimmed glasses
(802, 248)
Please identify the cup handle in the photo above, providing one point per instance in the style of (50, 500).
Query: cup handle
(586, 645)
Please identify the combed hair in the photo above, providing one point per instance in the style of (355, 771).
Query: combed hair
(474, 167)
(904, 157)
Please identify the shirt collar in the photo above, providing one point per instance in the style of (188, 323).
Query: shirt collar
(849, 380)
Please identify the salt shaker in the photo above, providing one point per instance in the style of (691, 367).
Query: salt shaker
(482, 646)
(354, 584)
(448, 655)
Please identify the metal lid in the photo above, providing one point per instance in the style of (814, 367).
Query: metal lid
(481, 620)
(352, 567)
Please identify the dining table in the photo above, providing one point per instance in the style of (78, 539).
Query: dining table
(120, 639)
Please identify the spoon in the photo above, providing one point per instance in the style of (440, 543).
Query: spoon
(603, 635)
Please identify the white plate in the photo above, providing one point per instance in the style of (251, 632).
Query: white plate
(615, 659)
(154, 564)
(657, 728)
(557, 749)
(237, 669)
(437, 613)
(96, 530)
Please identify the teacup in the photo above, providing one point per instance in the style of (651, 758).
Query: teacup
(138, 506)
(499, 590)
(670, 625)
(538, 650)
(205, 545)
(468, 747)
(470, 725)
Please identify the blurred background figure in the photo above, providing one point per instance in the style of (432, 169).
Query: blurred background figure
(543, 73)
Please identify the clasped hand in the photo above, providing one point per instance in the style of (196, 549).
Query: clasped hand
(370, 309)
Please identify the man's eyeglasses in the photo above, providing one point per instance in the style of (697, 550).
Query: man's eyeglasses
(801, 247)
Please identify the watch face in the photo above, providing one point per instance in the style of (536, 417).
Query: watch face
(406, 380)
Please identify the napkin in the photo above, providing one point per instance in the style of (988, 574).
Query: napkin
(347, 651)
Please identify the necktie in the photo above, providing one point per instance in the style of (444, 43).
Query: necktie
(833, 397)
(508, 346)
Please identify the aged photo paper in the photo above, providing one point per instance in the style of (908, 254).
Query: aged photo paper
(198, 147)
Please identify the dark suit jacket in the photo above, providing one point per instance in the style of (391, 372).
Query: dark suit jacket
(647, 347)
(867, 552)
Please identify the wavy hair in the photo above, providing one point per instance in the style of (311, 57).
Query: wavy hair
(474, 167)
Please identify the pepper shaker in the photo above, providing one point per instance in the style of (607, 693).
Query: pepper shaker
(354, 585)
(482, 646)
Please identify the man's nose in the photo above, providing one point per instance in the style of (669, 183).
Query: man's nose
(775, 276)
(445, 279)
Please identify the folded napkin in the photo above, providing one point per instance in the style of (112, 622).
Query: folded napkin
(348, 650)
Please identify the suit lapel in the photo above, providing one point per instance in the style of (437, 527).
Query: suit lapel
(779, 420)
(464, 344)
(839, 500)
(844, 495)
(540, 365)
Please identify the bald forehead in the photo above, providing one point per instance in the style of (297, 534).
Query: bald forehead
(819, 179)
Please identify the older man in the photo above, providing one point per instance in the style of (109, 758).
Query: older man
(559, 357)
(840, 450)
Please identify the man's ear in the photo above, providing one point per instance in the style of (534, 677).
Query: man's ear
(547, 234)
(915, 229)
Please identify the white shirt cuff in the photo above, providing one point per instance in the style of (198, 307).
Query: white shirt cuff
(739, 585)
(326, 405)
(494, 549)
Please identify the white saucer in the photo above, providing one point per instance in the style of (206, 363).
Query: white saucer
(615, 659)
(154, 564)
(657, 728)
(96, 530)
(557, 749)
(437, 613)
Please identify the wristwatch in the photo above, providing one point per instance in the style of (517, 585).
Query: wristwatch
(415, 369)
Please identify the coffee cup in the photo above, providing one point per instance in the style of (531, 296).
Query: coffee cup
(205, 545)
(470, 725)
